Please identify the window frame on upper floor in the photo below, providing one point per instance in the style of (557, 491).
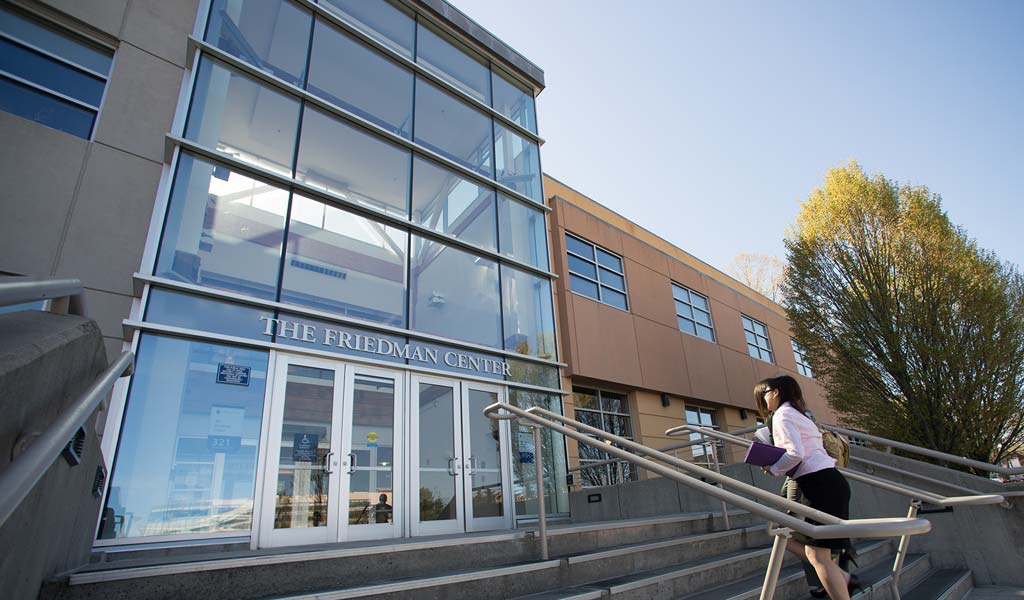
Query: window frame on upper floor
(64, 53)
(687, 302)
(595, 261)
(759, 331)
(803, 367)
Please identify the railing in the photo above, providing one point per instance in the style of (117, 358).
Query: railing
(64, 295)
(917, 496)
(960, 460)
(692, 475)
(28, 467)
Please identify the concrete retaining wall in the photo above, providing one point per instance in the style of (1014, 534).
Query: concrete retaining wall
(46, 362)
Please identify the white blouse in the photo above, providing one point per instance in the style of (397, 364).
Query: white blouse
(802, 440)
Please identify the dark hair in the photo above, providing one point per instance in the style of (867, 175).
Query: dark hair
(789, 391)
(760, 388)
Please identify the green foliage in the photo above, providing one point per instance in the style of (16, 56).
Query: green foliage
(915, 332)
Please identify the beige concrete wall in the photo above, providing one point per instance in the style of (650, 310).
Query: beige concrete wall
(82, 208)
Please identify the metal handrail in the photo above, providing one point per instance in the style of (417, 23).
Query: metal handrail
(832, 527)
(960, 460)
(21, 290)
(22, 474)
(916, 495)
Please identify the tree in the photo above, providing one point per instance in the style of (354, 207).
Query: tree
(915, 332)
(759, 272)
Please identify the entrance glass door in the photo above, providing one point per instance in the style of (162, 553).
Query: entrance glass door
(460, 481)
(300, 503)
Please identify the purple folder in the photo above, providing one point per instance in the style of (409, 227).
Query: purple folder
(763, 455)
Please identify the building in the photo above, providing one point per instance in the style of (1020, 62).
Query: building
(323, 230)
(653, 338)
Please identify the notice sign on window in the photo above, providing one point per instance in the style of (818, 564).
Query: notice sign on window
(233, 374)
(304, 447)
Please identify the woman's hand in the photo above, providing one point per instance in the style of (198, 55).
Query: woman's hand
(767, 470)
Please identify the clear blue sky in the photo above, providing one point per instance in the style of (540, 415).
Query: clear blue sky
(682, 115)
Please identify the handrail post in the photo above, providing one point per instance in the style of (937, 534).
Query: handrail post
(718, 469)
(771, 576)
(901, 552)
(542, 521)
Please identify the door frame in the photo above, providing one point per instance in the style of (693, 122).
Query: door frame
(507, 519)
(456, 525)
(265, 503)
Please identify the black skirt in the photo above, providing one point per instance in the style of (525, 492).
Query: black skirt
(825, 490)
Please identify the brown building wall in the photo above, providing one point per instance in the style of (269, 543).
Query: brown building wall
(642, 351)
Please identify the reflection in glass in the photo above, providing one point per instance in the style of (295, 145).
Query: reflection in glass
(437, 453)
(514, 102)
(454, 293)
(347, 73)
(453, 129)
(466, 362)
(186, 461)
(484, 458)
(303, 480)
(179, 309)
(347, 161)
(343, 263)
(236, 115)
(371, 488)
(529, 317)
(223, 230)
(518, 163)
(521, 232)
(270, 34)
(524, 371)
(556, 492)
(447, 203)
(46, 110)
(451, 63)
(380, 20)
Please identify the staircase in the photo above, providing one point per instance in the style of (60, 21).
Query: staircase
(684, 556)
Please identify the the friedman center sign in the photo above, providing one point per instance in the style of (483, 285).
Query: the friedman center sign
(373, 345)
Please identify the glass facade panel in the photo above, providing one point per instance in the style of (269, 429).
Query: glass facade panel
(270, 34)
(521, 233)
(347, 73)
(346, 161)
(514, 102)
(50, 73)
(524, 477)
(223, 230)
(518, 163)
(178, 309)
(44, 109)
(451, 63)
(521, 371)
(453, 129)
(454, 293)
(380, 20)
(74, 50)
(186, 462)
(236, 115)
(528, 313)
(448, 203)
(343, 263)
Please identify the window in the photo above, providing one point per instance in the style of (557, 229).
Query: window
(517, 160)
(453, 128)
(706, 418)
(451, 63)
(49, 76)
(380, 20)
(607, 411)
(758, 344)
(270, 34)
(513, 102)
(802, 365)
(693, 312)
(596, 273)
(529, 319)
(448, 203)
(522, 234)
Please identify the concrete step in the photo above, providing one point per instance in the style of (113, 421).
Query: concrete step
(261, 573)
(943, 584)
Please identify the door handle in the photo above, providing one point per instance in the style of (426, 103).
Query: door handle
(351, 463)
(470, 465)
(451, 466)
(327, 463)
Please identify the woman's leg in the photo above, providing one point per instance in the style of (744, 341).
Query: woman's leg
(832, 577)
